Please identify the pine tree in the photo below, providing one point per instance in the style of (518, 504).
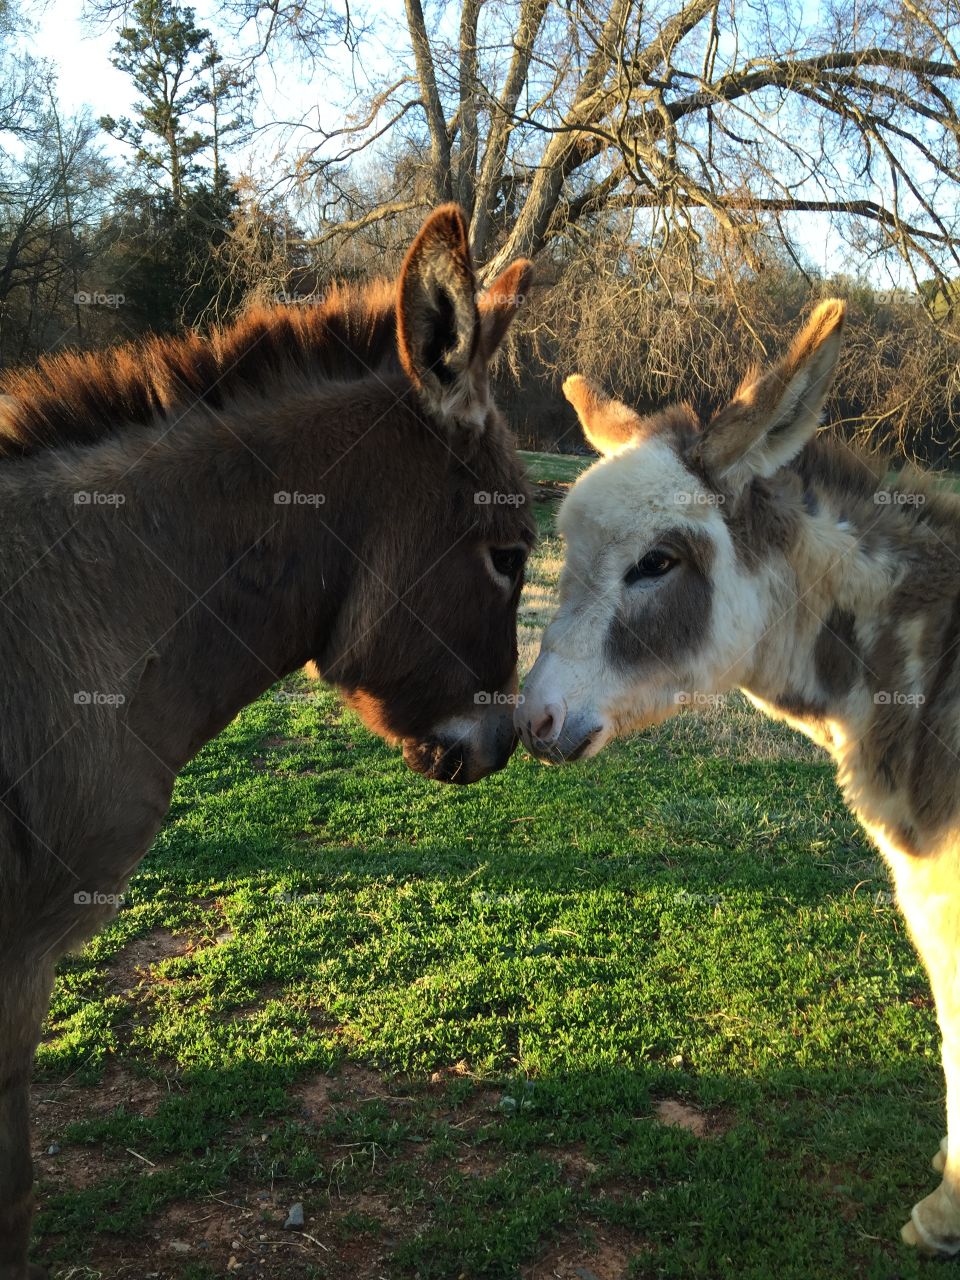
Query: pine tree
(162, 51)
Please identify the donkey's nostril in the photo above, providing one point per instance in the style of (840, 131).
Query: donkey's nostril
(548, 727)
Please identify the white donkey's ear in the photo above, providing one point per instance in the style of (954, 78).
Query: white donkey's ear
(774, 414)
(607, 423)
(438, 322)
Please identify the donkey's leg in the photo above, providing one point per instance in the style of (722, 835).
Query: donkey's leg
(928, 889)
(24, 995)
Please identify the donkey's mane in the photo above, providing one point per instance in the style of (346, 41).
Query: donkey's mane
(78, 398)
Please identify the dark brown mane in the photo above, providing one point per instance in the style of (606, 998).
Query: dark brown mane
(78, 398)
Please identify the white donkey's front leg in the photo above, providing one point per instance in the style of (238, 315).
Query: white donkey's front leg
(928, 889)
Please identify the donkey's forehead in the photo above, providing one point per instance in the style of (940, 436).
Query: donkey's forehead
(644, 487)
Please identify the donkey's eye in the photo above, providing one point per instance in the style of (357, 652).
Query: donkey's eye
(653, 565)
(508, 561)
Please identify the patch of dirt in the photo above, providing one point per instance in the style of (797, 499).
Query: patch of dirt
(674, 1114)
(606, 1258)
(242, 1234)
(57, 1104)
(458, 1071)
(60, 1102)
(577, 1165)
(352, 1222)
(352, 1084)
(477, 1163)
(133, 964)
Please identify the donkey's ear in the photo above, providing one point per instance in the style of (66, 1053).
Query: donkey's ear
(9, 408)
(438, 324)
(500, 302)
(775, 414)
(607, 423)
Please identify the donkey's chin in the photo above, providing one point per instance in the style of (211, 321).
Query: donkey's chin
(456, 760)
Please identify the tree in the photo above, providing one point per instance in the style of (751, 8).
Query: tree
(546, 118)
(225, 93)
(52, 198)
(161, 49)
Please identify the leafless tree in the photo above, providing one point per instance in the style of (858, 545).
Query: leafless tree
(543, 118)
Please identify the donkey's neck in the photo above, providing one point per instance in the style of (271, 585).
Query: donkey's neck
(234, 545)
(862, 606)
(836, 590)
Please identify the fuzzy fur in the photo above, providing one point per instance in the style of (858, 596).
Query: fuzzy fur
(833, 603)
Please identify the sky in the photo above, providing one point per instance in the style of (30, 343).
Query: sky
(86, 77)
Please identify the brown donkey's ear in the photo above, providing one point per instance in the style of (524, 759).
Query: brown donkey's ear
(501, 301)
(9, 408)
(607, 423)
(773, 415)
(438, 323)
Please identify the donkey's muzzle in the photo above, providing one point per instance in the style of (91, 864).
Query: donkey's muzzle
(445, 760)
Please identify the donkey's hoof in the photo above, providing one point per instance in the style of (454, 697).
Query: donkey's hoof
(934, 1226)
(939, 1161)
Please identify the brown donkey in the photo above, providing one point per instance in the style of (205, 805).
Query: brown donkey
(748, 552)
(342, 489)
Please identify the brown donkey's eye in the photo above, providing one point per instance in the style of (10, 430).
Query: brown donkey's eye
(508, 561)
(653, 565)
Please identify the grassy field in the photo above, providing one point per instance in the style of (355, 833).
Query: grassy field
(653, 1016)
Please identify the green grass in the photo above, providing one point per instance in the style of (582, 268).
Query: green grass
(563, 467)
(444, 1020)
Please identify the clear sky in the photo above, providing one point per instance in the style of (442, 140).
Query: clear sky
(86, 77)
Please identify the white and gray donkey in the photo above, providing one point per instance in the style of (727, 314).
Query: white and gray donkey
(747, 552)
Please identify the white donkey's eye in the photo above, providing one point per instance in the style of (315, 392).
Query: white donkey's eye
(506, 563)
(653, 565)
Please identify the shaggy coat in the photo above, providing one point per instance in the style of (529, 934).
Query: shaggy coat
(186, 522)
(747, 551)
